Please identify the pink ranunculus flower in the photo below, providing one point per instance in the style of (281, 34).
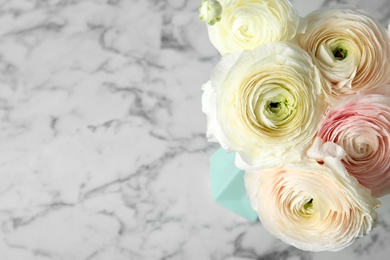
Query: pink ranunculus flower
(312, 206)
(350, 48)
(362, 128)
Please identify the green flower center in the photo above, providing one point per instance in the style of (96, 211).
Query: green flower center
(339, 53)
(308, 205)
(278, 108)
(273, 106)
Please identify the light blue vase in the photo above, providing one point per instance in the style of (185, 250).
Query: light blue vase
(227, 185)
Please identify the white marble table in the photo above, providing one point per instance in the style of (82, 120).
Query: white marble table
(103, 154)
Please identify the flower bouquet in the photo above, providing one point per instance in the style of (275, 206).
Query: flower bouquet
(303, 105)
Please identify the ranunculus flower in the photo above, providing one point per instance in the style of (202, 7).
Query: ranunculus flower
(362, 128)
(350, 48)
(264, 104)
(311, 206)
(246, 24)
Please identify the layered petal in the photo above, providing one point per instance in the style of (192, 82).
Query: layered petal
(361, 127)
(246, 24)
(265, 104)
(312, 206)
(350, 48)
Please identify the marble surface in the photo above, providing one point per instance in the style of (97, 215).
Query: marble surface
(103, 153)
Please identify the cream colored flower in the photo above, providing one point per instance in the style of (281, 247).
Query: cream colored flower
(264, 104)
(351, 50)
(246, 24)
(311, 206)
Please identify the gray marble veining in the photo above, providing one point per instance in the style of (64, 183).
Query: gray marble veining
(103, 151)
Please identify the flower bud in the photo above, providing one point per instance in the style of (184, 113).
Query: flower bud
(210, 11)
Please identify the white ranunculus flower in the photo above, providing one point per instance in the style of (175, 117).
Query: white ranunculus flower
(350, 48)
(264, 104)
(311, 206)
(246, 24)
